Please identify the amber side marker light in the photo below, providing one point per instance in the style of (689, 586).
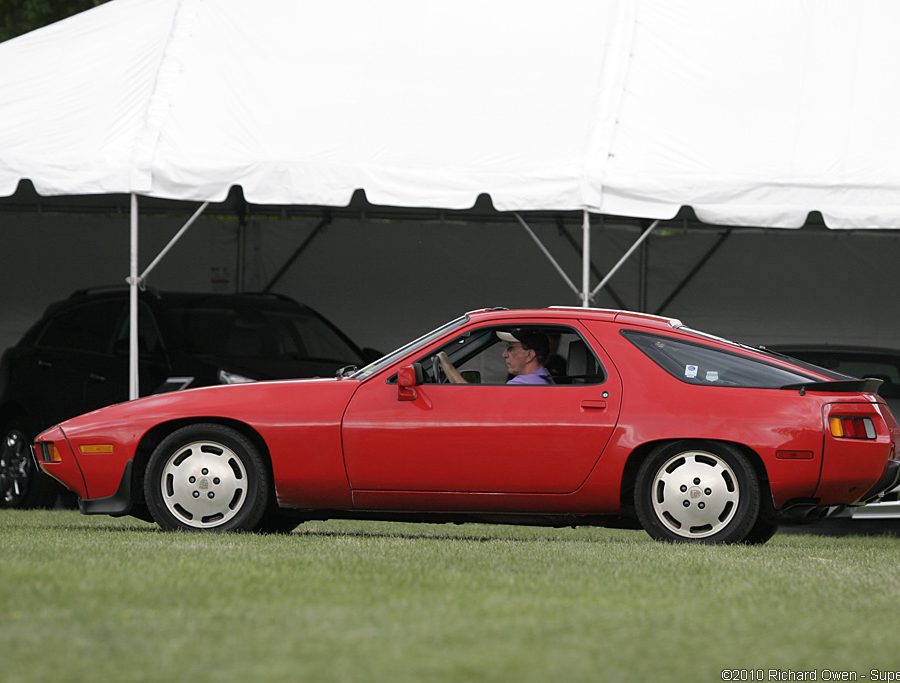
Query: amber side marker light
(96, 448)
(852, 427)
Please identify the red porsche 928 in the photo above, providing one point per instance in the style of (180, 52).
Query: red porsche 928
(558, 416)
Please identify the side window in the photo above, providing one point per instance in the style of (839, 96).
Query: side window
(699, 364)
(88, 327)
(149, 339)
(523, 355)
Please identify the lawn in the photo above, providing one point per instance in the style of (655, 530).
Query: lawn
(100, 599)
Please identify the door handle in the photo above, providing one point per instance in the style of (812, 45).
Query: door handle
(94, 377)
(593, 404)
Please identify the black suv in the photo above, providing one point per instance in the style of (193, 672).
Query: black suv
(75, 359)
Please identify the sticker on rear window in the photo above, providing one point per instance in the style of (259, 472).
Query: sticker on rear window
(690, 371)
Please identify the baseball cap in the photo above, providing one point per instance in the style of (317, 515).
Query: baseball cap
(529, 339)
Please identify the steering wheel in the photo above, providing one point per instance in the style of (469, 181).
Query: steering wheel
(437, 371)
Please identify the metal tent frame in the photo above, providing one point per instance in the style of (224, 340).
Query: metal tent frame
(136, 282)
(585, 293)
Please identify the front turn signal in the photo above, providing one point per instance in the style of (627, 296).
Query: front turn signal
(50, 453)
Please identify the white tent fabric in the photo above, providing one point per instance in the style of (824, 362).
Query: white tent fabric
(752, 112)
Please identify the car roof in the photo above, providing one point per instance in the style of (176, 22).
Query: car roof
(179, 298)
(578, 313)
(175, 299)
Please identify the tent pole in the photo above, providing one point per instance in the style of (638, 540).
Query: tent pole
(627, 255)
(586, 260)
(643, 282)
(178, 236)
(547, 253)
(595, 272)
(133, 281)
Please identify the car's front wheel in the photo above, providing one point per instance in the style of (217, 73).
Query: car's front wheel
(702, 492)
(207, 477)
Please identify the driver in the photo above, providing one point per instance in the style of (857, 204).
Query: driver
(526, 354)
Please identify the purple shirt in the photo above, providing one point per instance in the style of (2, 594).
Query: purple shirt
(542, 376)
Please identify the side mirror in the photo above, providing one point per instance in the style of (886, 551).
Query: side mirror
(408, 378)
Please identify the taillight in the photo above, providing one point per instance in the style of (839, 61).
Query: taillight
(849, 427)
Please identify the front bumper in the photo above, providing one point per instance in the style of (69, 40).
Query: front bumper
(66, 470)
(116, 505)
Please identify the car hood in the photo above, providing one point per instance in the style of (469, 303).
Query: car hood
(205, 368)
(254, 402)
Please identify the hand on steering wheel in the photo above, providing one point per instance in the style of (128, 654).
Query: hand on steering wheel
(451, 374)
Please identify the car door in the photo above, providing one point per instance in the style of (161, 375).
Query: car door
(480, 438)
(67, 353)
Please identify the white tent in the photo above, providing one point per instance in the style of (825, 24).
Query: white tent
(750, 112)
(753, 113)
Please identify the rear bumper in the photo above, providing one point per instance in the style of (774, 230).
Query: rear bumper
(873, 505)
(888, 480)
(856, 470)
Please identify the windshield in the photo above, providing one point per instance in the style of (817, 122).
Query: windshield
(244, 332)
(424, 340)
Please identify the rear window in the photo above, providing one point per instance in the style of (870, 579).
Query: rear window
(699, 364)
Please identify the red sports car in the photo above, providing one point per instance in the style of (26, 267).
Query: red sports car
(559, 416)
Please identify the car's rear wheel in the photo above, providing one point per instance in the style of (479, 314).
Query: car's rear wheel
(702, 492)
(22, 484)
(207, 477)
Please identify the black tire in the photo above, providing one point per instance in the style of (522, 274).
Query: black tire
(761, 532)
(766, 524)
(698, 491)
(275, 522)
(22, 484)
(207, 477)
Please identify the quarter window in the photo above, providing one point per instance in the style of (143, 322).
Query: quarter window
(698, 364)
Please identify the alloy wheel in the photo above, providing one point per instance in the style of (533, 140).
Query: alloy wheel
(695, 494)
(16, 467)
(204, 484)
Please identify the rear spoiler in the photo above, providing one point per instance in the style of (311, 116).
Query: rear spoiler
(848, 386)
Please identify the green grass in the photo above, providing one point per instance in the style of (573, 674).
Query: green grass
(94, 598)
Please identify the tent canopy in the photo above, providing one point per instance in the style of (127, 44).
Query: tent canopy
(751, 112)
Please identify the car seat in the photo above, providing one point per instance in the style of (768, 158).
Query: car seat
(581, 365)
